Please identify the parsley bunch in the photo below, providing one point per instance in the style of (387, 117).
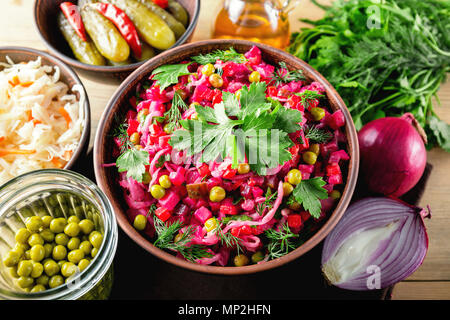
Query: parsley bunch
(248, 127)
(385, 58)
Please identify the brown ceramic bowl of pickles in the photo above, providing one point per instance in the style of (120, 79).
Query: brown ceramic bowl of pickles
(108, 39)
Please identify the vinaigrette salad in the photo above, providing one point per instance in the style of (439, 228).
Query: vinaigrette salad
(228, 160)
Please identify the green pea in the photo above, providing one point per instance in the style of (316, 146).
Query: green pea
(46, 220)
(74, 243)
(43, 280)
(25, 282)
(51, 268)
(37, 252)
(59, 252)
(75, 255)
(96, 239)
(57, 225)
(94, 252)
(35, 239)
(55, 281)
(48, 247)
(27, 255)
(38, 288)
(62, 239)
(86, 247)
(22, 235)
(257, 257)
(68, 269)
(37, 271)
(21, 248)
(72, 229)
(13, 272)
(61, 263)
(241, 260)
(11, 259)
(47, 235)
(34, 223)
(24, 268)
(73, 218)
(86, 226)
(83, 264)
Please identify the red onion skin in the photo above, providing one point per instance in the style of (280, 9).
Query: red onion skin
(393, 155)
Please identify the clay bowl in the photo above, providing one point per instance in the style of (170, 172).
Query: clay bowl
(118, 106)
(68, 76)
(45, 13)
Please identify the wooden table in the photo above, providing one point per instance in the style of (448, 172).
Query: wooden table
(430, 281)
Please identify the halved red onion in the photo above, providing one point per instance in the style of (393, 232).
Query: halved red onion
(377, 243)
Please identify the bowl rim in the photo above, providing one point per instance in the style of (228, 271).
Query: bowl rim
(85, 135)
(320, 234)
(110, 69)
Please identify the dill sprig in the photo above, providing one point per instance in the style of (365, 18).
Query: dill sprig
(308, 98)
(229, 240)
(173, 115)
(317, 135)
(165, 240)
(280, 242)
(223, 55)
(120, 132)
(283, 75)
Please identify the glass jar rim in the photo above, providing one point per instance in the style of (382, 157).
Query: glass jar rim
(82, 282)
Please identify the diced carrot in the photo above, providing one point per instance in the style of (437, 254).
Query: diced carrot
(15, 81)
(56, 162)
(29, 115)
(26, 84)
(36, 121)
(4, 152)
(65, 114)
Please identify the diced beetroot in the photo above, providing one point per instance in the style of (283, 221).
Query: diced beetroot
(256, 181)
(132, 126)
(163, 141)
(305, 215)
(338, 155)
(257, 192)
(162, 213)
(335, 179)
(203, 170)
(202, 214)
(201, 203)
(177, 177)
(227, 207)
(182, 209)
(217, 98)
(246, 191)
(272, 91)
(336, 120)
(253, 55)
(328, 148)
(333, 169)
(190, 202)
(260, 199)
(306, 168)
(229, 173)
(244, 230)
(272, 182)
(215, 206)
(294, 220)
(248, 205)
(170, 200)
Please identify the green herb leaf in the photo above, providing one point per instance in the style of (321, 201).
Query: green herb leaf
(309, 193)
(133, 161)
(441, 131)
(174, 114)
(317, 135)
(223, 55)
(280, 242)
(253, 100)
(308, 97)
(167, 75)
(283, 75)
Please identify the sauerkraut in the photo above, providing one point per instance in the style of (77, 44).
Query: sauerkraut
(41, 119)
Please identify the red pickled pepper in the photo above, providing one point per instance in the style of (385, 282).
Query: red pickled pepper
(123, 24)
(162, 3)
(73, 16)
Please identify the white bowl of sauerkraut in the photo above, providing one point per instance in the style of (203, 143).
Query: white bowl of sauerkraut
(44, 113)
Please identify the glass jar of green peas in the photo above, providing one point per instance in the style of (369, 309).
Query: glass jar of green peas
(58, 237)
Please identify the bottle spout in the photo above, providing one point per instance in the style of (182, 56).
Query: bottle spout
(288, 5)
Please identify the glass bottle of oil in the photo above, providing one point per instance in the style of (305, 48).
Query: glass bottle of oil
(264, 21)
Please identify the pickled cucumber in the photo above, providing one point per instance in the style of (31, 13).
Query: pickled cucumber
(147, 52)
(151, 28)
(178, 12)
(106, 37)
(84, 51)
(176, 26)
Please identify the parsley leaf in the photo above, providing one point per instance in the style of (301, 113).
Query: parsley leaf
(441, 131)
(167, 75)
(287, 120)
(253, 99)
(133, 161)
(223, 55)
(309, 193)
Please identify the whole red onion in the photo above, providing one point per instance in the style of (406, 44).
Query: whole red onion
(393, 154)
